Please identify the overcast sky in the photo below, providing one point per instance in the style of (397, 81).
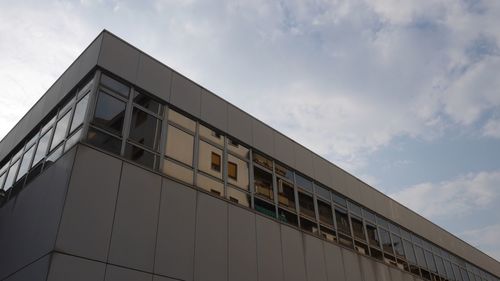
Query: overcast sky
(403, 94)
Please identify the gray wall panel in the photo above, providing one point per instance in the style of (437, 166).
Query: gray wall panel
(352, 268)
(36, 271)
(119, 57)
(334, 261)
(154, 77)
(284, 149)
(136, 218)
(161, 278)
(242, 245)
(50, 99)
(396, 275)
(185, 95)
(115, 273)
(382, 272)
(368, 269)
(263, 137)
(90, 56)
(304, 160)
(90, 205)
(270, 264)
(407, 276)
(293, 254)
(176, 231)
(70, 268)
(211, 239)
(213, 110)
(315, 258)
(239, 124)
(33, 217)
(70, 77)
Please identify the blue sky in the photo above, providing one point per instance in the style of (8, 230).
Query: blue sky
(403, 94)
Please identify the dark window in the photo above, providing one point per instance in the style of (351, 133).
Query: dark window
(339, 200)
(265, 208)
(410, 254)
(114, 85)
(109, 113)
(386, 240)
(25, 163)
(342, 222)
(148, 103)
(232, 170)
(358, 229)
(369, 216)
(322, 192)
(43, 145)
(325, 212)
(79, 115)
(304, 183)
(60, 132)
(145, 129)
(398, 246)
(306, 205)
(287, 217)
(355, 209)
(308, 225)
(327, 233)
(215, 162)
(104, 141)
(140, 156)
(372, 234)
(263, 183)
(286, 196)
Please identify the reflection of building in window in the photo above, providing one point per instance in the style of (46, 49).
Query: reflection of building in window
(215, 164)
(232, 170)
(286, 197)
(263, 183)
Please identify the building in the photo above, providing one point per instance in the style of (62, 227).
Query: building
(127, 170)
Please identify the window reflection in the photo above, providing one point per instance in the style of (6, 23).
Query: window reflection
(357, 228)
(181, 120)
(286, 196)
(148, 103)
(73, 139)
(104, 141)
(239, 197)
(25, 162)
(398, 245)
(308, 225)
(210, 159)
(287, 217)
(303, 183)
(114, 85)
(79, 115)
(263, 161)
(265, 208)
(325, 212)
(263, 183)
(237, 172)
(372, 234)
(386, 240)
(145, 129)
(11, 176)
(342, 221)
(60, 132)
(209, 184)
(237, 149)
(109, 113)
(306, 204)
(179, 145)
(211, 135)
(140, 156)
(177, 171)
(42, 147)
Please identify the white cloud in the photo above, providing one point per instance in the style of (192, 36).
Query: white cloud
(451, 199)
(485, 238)
(492, 128)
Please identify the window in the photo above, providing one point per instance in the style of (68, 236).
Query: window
(53, 156)
(11, 176)
(286, 196)
(263, 183)
(322, 192)
(2, 178)
(264, 208)
(440, 265)
(104, 141)
(145, 129)
(211, 135)
(337, 199)
(209, 159)
(398, 246)
(303, 183)
(449, 270)
(308, 225)
(109, 113)
(325, 212)
(60, 131)
(25, 162)
(179, 145)
(327, 233)
(342, 221)
(209, 184)
(287, 217)
(140, 156)
(306, 205)
(419, 252)
(237, 172)
(410, 254)
(42, 147)
(237, 149)
(79, 115)
(181, 120)
(148, 103)
(263, 161)
(358, 229)
(353, 208)
(369, 216)
(239, 197)
(430, 261)
(114, 85)
(73, 139)
(372, 234)
(386, 240)
(284, 172)
(177, 171)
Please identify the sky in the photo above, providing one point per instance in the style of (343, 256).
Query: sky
(404, 95)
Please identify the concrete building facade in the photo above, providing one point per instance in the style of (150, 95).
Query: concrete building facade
(127, 170)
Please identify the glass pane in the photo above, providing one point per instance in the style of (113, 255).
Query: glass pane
(369, 216)
(430, 261)
(288, 217)
(60, 132)
(465, 276)
(67, 105)
(372, 234)
(238, 149)
(179, 145)
(25, 162)
(264, 208)
(2, 178)
(210, 160)
(306, 205)
(284, 172)
(4, 168)
(303, 183)
(398, 246)
(53, 156)
(211, 135)
(405, 234)
(308, 225)
(73, 139)
(440, 266)
(239, 197)
(145, 129)
(449, 271)
(410, 254)
(386, 240)
(286, 196)
(209, 184)
(140, 156)
(43, 145)
(11, 176)
(339, 200)
(147, 103)
(325, 212)
(85, 88)
(48, 124)
(114, 85)
(382, 222)
(419, 252)
(395, 229)
(79, 115)
(32, 141)
(109, 113)
(342, 221)
(177, 171)
(327, 233)
(237, 172)
(263, 161)
(181, 120)
(104, 141)
(358, 229)
(263, 183)
(323, 192)
(456, 272)
(355, 209)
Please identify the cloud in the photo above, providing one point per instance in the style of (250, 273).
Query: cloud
(485, 238)
(492, 128)
(454, 198)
